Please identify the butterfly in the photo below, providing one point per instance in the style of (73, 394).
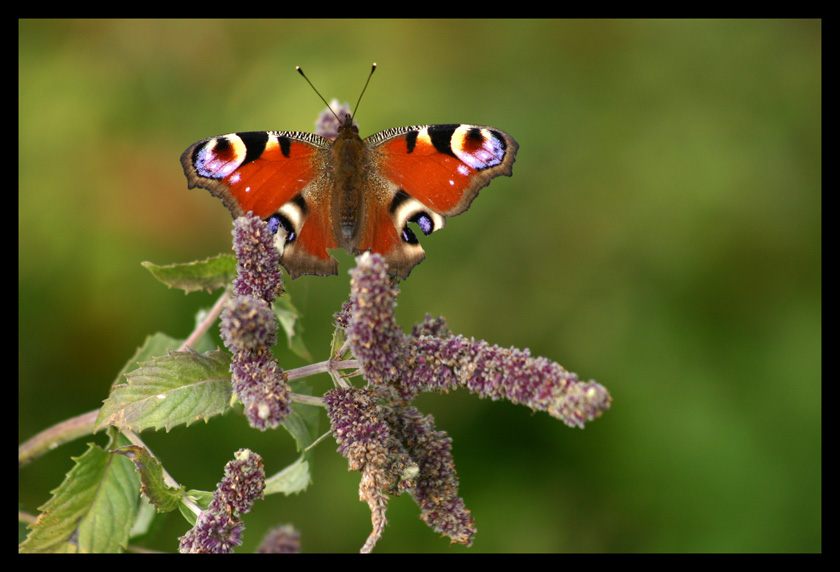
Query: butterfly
(352, 193)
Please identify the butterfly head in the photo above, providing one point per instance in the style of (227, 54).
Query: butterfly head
(329, 122)
(348, 126)
(337, 110)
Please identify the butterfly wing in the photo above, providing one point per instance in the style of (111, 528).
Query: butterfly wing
(280, 176)
(430, 172)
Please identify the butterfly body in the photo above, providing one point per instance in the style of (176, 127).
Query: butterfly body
(351, 193)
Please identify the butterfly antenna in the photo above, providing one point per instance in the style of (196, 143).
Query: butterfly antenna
(372, 69)
(300, 71)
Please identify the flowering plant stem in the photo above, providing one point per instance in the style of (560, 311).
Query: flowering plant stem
(395, 448)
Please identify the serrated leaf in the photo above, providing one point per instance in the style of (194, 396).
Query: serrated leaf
(92, 510)
(155, 345)
(210, 274)
(176, 389)
(291, 480)
(288, 316)
(162, 496)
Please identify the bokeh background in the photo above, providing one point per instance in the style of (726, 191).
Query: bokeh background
(661, 234)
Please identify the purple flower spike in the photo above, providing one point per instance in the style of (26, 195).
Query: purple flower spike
(283, 539)
(258, 261)
(249, 327)
(365, 441)
(436, 488)
(219, 528)
(248, 323)
(373, 333)
(431, 359)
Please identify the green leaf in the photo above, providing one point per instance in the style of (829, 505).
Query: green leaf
(302, 421)
(155, 345)
(210, 274)
(161, 495)
(92, 510)
(291, 480)
(288, 316)
(302, 425)
(179, 388)
(337, 343)
(201, 498)
(146, 514)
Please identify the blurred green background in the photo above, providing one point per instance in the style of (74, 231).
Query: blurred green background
(661, 234)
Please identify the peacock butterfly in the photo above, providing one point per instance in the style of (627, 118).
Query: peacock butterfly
(353, 193)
